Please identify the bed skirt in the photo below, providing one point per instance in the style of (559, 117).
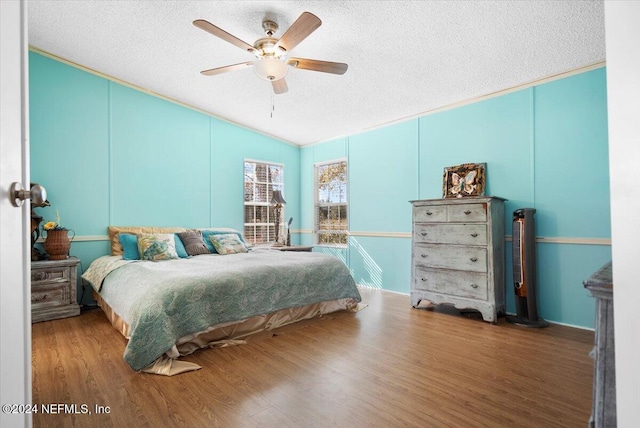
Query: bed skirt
(226, 334)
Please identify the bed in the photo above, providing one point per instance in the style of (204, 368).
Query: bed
(172, 307)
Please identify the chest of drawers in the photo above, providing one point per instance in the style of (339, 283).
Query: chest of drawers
(458, 254)
(53, 289)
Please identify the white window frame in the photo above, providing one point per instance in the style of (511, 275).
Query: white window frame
(317, 204)
(269, 223)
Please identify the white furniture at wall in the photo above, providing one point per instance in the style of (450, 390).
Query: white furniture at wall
(458, 254)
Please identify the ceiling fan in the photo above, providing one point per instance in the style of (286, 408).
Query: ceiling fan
(271, 53)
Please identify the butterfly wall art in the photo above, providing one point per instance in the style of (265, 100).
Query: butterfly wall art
(464, 180)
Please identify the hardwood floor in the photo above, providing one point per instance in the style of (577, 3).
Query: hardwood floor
(388, 365)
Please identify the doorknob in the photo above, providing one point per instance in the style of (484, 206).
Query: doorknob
(18, 194)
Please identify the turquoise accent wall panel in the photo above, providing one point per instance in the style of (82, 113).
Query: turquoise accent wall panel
(159, 161)
(496, 131)
(330, 150)
(381, 262)
(572, 157)
(561, 271)
(290, 157)
(306, 192)
(227, 167)
(69, 137)
(383, 178)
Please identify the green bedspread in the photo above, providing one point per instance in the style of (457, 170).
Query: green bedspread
(163, 301)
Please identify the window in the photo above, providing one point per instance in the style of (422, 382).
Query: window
(260, 180)
(331, 203)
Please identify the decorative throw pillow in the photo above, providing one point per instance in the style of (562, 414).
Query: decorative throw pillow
(161, 246)
(193, 242)
(227, 243)
(180, 250)
(129, 244)
(207, 233)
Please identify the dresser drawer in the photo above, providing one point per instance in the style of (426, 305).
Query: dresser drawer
(49, 296)
(455, 283)
(451, 257)
(429, 213)
(462, 234)
(467, 213)
(49, 275)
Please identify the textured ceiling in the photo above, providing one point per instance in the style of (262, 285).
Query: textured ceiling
(405, 57)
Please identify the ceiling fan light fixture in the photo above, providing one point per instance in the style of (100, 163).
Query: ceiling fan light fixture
(271, 53)
(270, 69)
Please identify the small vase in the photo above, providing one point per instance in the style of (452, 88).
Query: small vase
(57, 243)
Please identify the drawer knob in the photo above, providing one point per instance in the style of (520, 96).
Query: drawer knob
(424, 256)
(429, 213)
(423, 233)
(474, 259)
(424, 279)
(38, 298)
(474, 235)
(467, 212)
(474, 285)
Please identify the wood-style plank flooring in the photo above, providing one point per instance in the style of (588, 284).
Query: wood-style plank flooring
(388, 365)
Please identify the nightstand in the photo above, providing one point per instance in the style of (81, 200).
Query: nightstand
(294, 248)
(53, 289)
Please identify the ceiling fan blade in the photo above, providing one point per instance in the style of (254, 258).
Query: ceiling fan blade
(317, 65)
(227, 68)
(219, 32)
(306, 24)
(279, 86)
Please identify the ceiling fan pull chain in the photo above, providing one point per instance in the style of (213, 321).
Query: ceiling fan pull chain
(273, 105)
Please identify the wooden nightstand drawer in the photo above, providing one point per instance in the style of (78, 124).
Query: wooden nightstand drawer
(53, 289)
(49, 275)
(50, 296)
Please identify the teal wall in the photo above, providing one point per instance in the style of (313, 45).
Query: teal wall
(109, 154)
(112, 155)
(546, 147)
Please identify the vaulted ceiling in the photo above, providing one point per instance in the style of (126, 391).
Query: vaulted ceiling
(406, 58)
